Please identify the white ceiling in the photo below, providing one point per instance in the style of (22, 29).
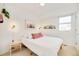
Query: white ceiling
(36, 11)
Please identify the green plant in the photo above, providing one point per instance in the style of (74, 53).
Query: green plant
(6, 13)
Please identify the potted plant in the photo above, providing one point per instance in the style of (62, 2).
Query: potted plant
(6, 13)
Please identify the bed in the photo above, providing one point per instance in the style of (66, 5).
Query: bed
(44, 46)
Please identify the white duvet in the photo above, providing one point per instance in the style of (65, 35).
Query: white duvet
(44, 46)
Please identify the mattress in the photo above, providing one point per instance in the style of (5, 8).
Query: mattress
(44, 46)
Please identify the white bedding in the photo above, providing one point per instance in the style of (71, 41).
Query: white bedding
(45, 46)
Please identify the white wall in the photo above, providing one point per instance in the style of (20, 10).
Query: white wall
(37, 15)
(77, 25)
(77, 28)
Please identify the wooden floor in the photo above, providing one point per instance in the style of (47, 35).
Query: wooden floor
(68, 51)
(65, 51)
(23, 52)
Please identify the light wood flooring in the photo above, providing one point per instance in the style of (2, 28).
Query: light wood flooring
(65, 51)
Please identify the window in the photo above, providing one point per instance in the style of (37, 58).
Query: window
(65, 23)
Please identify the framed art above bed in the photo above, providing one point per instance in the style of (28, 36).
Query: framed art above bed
(30, 26)
(49, 27)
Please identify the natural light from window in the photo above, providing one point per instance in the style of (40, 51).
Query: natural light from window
(65, 23)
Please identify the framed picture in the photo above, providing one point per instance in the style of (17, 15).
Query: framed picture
(49, 27)
(1, 18)
(30, 26)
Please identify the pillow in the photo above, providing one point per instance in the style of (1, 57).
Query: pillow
(36, 35)
(29, 36)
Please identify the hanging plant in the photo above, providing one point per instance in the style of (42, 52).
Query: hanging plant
(6, 13)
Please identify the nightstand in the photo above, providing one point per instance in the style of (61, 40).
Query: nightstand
(14, 46)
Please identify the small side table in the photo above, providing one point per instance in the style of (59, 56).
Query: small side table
(16, 45)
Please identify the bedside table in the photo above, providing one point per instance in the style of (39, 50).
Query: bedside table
(14, 46)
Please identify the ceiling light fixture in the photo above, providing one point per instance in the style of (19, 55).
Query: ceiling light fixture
(42, 4)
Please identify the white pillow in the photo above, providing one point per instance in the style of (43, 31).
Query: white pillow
(29, 36)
